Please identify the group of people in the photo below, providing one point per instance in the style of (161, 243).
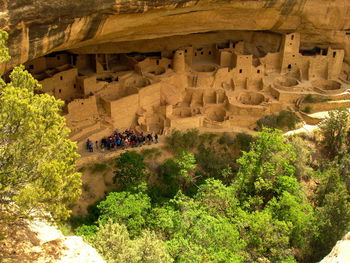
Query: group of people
(122, 140)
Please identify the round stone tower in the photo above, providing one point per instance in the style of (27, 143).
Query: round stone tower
(179, 61)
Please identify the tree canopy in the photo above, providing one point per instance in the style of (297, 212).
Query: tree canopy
(37, 161)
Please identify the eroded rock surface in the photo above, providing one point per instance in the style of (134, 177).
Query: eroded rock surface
(39, 27)
(42, 243)
(340, 252)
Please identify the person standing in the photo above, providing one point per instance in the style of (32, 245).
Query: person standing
(91, 146)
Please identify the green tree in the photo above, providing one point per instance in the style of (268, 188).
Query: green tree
(186, 164)
(168, 173)
(332, 213)
(265, 236)
(197, 236)
(178, 141)
(37, 161)
(304, 152)
(130, 169)
(113, 242)
(344, 170)
(4, 52)
(126, 208)
(87, 231)
(334, 131)
(266, 170)
(266, 182)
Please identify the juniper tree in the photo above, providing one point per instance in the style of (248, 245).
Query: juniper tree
(37, 161)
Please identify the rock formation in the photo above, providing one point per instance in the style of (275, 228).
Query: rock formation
(340, 252)
(40, 27)
(231, 82)
(157, 65)
(38, 241)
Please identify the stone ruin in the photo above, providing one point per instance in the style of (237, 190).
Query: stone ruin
(218, 86)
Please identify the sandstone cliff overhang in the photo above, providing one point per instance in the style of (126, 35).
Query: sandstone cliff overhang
(40, 27)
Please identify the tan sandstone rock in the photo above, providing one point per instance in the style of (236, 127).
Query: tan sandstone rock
(340, 253)
(39, 27)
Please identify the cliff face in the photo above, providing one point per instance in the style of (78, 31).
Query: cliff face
(340, 252)
(38, 241)
(39, 27)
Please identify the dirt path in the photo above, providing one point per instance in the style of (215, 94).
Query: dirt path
(87, 158)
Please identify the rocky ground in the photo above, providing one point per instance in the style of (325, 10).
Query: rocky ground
(42, 243)
(340, 253)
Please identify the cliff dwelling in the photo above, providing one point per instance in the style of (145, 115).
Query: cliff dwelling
(220, 85)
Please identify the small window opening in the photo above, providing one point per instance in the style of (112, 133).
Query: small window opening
(31, 66)
(289, 66)
(258, 71)
(241, 70)
(169, 66)
(292, 37)
(195, 54)
(61, 78)
(185, 50)
(209, 52)
(202, 53)
(59, 91)
(157, 62)
(75, 86)
(334, 54)
(58, 57)
(82, 103)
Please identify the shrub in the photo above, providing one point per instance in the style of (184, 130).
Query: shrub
(243, 140)
(130, 169)
(227, 139)
(168, 174)
(307, 109)
(269, 121)
(114, 243)
(86, 187)
(98, 167)
(126, 208)
(87, 231)
(151, 154)
(285, 119)
(309, 99)
(178, 141)
(334, 130)
(82, 169)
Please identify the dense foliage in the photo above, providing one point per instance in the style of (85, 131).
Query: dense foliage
(285, 120)
(248, 206)
(37, 161)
